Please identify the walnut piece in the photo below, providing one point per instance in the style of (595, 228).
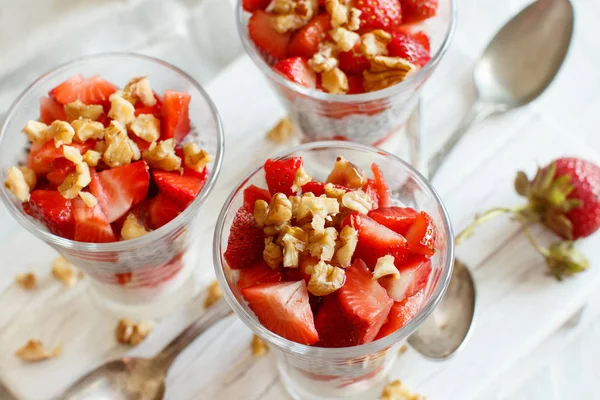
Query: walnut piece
(75, 181)
(27, 281)
(318, 224)
(385, 266)
(62, 132)
(291, 15)
(322, 244)
(118, 150)
(259, 348)
(333, 192)
(64, 271)
(358, 201)
(89, 199)
(35, 351)
(161, 155)
(120, 109)
(281, 132)
(17, 184)
(137, 154)
(398, 391)
(349, 240)
(338, 11)
(325, 59)
(37, 132)
(146, 127)
(139, 88)
(86, 129)
(310, 206)
(261, 210)
(353, 19)
(194, 157)
(272, 254)
(325, 279)
(335, 81)
(375, 43)
(345, 173)
(344, 38)
(385, 72)
(293, 245)
(213, 295)
(92, 158)
(403, 349)
(132, 228)
(280, 210)
(132, 333)
(301, 178)
(78, 109)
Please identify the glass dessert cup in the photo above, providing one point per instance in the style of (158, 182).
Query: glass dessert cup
(376, 118)
(359, 372)
(144, 277)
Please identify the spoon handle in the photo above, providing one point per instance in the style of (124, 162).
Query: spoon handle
(214, 314)
(478, 111)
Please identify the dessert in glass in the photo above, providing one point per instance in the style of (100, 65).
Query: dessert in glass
(108, 159)
(333, 254)
(348, 69)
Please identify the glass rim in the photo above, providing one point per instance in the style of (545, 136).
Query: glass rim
(343, 98)
(55, 240)
(343, 352)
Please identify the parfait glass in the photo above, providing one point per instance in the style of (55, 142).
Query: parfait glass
(148, 276)
(377, 118)
(360, 372)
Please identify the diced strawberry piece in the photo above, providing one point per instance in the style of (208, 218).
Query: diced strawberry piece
(401, 314)
(318, 188)
(91, 225)
(175, 112)
(41, 158)
(284, 309)
(119, 189)
(375, 240)
(54, 211)
(94, 90)
(353, 63)
(300, 273)
(296, 69)
(141, 143)
(51, 110)
(412, 46)
(353, 314)
(253, 5)
(246, 241)
(162, 210)
(181, 188)
(355, 84)
(379, 13)
(418, 10)
(140, 108)
(422, 235)
(383, 191)
(414, 275)
(270, 43)
(253, 193)
(398, 219)
(305, 42)
(257, 274)
(280, 174)
(61, 168)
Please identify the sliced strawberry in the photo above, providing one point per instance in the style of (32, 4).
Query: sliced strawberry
(246, 241)
(141, 143)
(284, 309)
(91, 225)
(61, 168)
(414, 275)
(51, 110)
(300, 273)
(119, 189)
(280, 174)
(141, 108)
(398, 219)
(270, 43)
(379, 13)
(257, 274)
(418, 10)
(353, 63)
(353, 314)
(94, 90)
(41, 157)
(355, 84)
(383, 191)
(181, 188)
(175, 112)
(422, 235)
(318, 188)
(401, 314)
(54, 211)
(305, 42)
(296, 69)
(253, 5)
(412, 46)
(375, 240)
(371, 190)
(253, 193)
(162, 210)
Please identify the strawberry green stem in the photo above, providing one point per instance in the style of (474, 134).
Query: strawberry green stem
(481, 219)
(543, 251)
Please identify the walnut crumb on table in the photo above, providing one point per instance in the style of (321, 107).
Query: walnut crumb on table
(282, 131)
(214, 294)
(34, 351)
(27, 281)
(396, 390)
(64, 271)
(259, 348)
(132, 333)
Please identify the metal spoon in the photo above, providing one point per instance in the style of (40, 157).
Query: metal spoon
(517, 66)
(141, 378)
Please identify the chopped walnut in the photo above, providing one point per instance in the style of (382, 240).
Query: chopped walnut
(403, 349)
(344, 38)
(132, 228)
(213, 295)
(357, 201)
(17, 184)
(385, 266)
(86, 129)
(78, 109)
(118, 150)
(161, 155)
(280, 210)
(301, 178)
(348, 240)
(139, 88)
(100, 146)
(275, 229)
(131, 333)
(35, 351)
(375, 43)
(345, 173)
(92, 158)
(318, 224)
(385, 72)
(272, 254)
(194, 157)
(325, 279)
(398, 391)
(27, 281)
(325, 59)
(295, 200)
(137, 154)
(281, 132)
(287, 23)
(322, 244)
(62, 132)
(120, 109)
(259, 348)
(333, 192)
(72, 154)
(37, 132)
(354, 19)
(89, 199)
(338, 11)
(64, 271)
(335, 81)
(310, 206)
(291, 15)
(75, 181)
(146, 127)
(293, 245)
(261, 210)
